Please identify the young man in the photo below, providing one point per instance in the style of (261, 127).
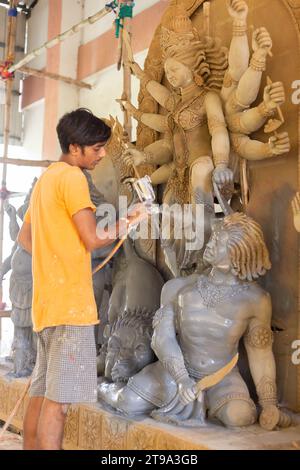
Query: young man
(60, 231)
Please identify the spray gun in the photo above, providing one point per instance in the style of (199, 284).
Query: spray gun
(146, 195)
(145, 192)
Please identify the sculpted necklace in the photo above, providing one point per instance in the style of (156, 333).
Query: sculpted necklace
(213, 294)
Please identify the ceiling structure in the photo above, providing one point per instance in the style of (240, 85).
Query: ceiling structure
(25, 7)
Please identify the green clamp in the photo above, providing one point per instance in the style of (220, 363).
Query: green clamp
(126, 11)
(118, 27)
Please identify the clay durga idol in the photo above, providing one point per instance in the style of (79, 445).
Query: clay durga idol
(203, 78)
(207, 119)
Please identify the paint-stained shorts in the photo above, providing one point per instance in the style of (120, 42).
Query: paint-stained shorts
(65, 370)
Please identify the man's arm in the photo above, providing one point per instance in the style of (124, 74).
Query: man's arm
(24, 237)
(85, 223)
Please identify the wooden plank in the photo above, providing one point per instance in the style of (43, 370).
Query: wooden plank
(5, 313)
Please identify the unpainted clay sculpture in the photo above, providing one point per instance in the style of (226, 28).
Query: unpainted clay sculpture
(133, 303)
(197, 331)
(20, 293)
(200, 143)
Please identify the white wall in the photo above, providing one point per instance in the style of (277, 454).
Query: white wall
(34, 115)
(108, 87)
(34, 130)
(38, 32)
(69, 95)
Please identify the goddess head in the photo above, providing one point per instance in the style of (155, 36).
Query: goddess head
(186, 56)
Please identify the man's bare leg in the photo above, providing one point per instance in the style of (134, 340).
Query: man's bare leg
(31, 421)
(51, 425)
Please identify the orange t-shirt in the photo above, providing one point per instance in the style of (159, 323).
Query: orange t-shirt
(62, 275)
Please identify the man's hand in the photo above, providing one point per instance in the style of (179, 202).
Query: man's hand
(187, 391)
(274, 95)
(296, 211)
(133, 157)
(261, 42)
(223, 176)
(280, 144)
(238, 9)
(137, 213)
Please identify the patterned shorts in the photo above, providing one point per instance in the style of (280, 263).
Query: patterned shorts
(65, 370)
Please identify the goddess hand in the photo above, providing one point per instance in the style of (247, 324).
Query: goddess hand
(262, 42)
(222, 175)
(274, 95)
(133, 157)
(238, 9)
(280, 144)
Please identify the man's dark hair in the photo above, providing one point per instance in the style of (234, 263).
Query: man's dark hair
(81, 127)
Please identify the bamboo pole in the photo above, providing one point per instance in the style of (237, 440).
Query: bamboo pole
(127, 27)
(61, 37)
(10, 56)
(5, 314)
(54, 76)
(23, 162)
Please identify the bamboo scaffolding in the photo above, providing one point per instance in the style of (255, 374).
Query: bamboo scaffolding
(61, 37)
(127, 28)
(54, 76)
(5, 314)
(10, 56)
(23, 162)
